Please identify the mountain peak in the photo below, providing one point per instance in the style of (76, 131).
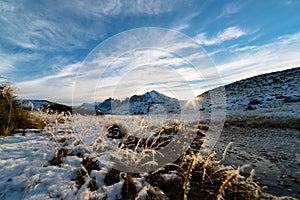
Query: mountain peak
(154, 91)
(152, 101)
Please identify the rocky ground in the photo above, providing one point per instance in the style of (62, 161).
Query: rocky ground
(274, 154)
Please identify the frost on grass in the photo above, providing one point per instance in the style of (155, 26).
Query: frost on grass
(72, 159)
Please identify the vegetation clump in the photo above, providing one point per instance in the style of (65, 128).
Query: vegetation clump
(58, 157)
(191, 176)
(88, 164)
(12, 115)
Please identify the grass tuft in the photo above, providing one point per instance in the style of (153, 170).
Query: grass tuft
(12, 115)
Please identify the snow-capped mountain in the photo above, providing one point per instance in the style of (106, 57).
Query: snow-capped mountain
(150, 102)
(153, 102)
(277, 90)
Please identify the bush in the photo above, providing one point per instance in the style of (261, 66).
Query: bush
(12, 115)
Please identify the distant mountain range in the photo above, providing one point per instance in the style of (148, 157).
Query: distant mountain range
(150, 102)
(272, 90)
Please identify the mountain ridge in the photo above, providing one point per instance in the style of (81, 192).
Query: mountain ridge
(152, 101)
(270, 91)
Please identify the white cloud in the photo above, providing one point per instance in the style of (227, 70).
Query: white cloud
(56, 87)
(184, 23)
(282, 53)
(119, 7)
(231, 8)
(143, 59)
(25, 28)
(63, 26)
(133, 69)
(245, 48)
(229, 33)
(6, 7)
(9, 60)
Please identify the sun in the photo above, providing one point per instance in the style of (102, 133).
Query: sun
(191, 104)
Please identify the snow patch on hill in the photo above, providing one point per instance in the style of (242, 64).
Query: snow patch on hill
(276, 93)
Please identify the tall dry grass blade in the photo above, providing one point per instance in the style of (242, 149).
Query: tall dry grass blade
(226, 182)
(250, 178)
(211, 154)
(226, 149)
(187, 178)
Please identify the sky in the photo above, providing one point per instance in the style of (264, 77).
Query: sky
(84, 51)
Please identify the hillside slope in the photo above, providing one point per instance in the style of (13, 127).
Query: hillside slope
(275, 96)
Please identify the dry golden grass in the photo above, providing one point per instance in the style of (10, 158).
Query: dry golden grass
(263, 121)
(12, 114)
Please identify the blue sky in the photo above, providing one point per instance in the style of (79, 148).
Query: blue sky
(44, 44)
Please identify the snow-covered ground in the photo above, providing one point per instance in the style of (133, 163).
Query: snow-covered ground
(28, 171)
(25, 172)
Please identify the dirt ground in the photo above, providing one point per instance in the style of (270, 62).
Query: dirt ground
(273, 153)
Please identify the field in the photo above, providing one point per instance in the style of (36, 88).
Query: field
(122, 157)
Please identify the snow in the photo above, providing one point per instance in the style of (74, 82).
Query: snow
(25, 171)
(274, 94)
(170, 175)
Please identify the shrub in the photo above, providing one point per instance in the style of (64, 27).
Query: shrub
(12, 115)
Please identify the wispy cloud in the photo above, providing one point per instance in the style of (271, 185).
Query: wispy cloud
(119, 71)
(60, 29)
(62, 26)
(56, 87)
(9, 60)
(231, 8)
(119, 7)
(145, 58)
(139, 68)
(184, 23)
(42, 39)
(229, 33)
(244, 62)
